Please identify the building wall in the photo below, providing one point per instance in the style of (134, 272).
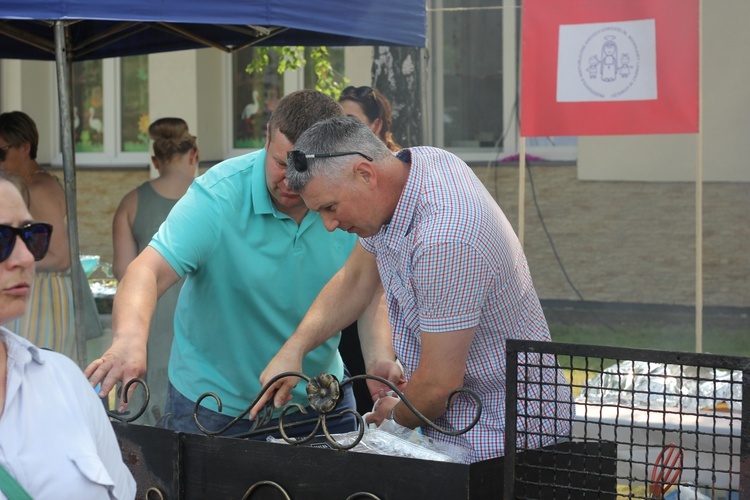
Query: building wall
(725, 119)
(618, 241)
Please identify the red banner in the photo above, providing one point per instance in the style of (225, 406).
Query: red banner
(609, 67)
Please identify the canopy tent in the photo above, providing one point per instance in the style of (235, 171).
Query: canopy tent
(75, 30)
(111, 28)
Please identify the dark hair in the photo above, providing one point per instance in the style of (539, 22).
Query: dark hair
(374, 105)
(18, 128)
(171, 137)
(298, 111)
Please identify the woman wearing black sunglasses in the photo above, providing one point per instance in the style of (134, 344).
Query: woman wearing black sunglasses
(49, 320)
(373, 109)
(55, 436)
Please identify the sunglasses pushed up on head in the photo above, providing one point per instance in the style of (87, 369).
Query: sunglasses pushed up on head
(298, 159)
(357, 92)
(35, 236)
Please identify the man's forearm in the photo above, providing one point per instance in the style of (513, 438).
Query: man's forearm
(375, 334)
(338, 305)
(134, 305)
(441, 369)
(341, 302)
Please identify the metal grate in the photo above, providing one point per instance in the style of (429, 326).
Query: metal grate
(647, 424)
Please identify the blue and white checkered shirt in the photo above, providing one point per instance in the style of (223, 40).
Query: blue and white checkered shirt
(450, 260)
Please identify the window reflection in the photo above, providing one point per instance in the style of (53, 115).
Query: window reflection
(134, 104)
(253, 98)
(472, 73)
(88, 107)
(335, 57)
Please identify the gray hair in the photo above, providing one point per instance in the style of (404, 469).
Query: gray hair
(334, 135)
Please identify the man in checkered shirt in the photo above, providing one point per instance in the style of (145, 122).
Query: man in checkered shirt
(456, 283)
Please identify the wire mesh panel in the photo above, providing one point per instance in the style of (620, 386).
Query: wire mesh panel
(676, 421)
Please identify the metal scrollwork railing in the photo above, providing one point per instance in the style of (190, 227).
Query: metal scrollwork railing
(127, 416)
(324, 393)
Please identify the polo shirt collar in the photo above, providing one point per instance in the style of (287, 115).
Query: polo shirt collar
(262, 203)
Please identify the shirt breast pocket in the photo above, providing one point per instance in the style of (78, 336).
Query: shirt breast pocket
(91, 467)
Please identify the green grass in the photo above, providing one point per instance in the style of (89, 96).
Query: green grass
(727, 340)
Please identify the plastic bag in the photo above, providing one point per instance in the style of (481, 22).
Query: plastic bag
(393, 440)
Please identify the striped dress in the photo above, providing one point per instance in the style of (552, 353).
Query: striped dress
(49, 321)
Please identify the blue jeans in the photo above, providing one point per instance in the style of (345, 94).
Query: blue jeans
(178, 416)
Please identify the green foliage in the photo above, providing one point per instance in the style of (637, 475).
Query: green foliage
(292, 58)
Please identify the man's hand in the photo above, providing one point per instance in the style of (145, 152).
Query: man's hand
(281, 390)
(389, 370)
(382, 409)
(122, 362)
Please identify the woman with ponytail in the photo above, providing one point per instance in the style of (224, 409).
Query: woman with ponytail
(141, 212)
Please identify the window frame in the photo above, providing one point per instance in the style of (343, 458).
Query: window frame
(510, 81)
(112, 156)
(293, 81)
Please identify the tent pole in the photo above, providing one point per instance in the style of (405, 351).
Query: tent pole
(62, 62)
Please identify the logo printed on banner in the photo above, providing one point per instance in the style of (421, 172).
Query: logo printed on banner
(607, 62)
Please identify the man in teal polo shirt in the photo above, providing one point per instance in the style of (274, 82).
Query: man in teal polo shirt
(255, 259)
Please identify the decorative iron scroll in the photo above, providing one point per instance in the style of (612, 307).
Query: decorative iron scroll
(324, 393)
(126, 417)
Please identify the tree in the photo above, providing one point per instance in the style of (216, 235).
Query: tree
(292, 58)
(397, 73)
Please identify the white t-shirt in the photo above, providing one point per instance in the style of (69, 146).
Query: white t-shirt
(55, 437)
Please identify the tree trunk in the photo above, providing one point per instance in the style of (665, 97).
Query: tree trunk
(397, 73)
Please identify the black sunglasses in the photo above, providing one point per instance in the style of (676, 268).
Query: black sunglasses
(298, 159)
(357, 92)
(36, 237)
(4, 151)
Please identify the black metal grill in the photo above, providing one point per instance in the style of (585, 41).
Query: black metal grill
(647, 423)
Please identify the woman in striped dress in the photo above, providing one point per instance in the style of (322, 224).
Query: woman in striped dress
(49, 318)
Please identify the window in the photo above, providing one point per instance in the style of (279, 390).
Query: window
(475, 92)
(253, 97)
(134, 119)
(88, 101)
(335, 56)
(469, 73)
(110, 112)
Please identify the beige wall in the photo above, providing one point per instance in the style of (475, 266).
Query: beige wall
(358, 63)
(725, 121)
(29, 86)
(211, 91)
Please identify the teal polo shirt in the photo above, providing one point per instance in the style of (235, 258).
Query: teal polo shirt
(252, 273)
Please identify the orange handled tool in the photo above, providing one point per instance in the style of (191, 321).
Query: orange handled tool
(667, 470)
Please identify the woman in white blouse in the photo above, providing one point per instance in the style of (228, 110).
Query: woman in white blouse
(55, 438)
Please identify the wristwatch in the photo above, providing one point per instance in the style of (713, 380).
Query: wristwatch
(393, 416)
